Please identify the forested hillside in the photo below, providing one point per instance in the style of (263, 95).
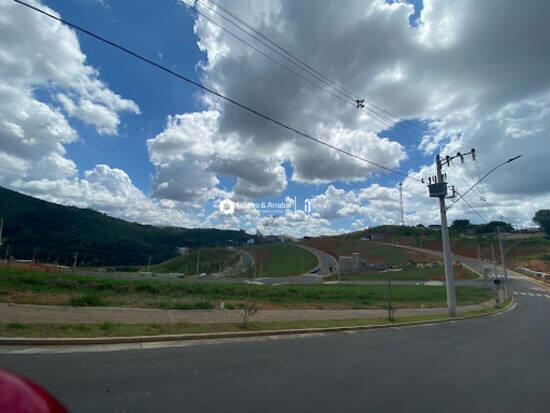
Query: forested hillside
(55, 232)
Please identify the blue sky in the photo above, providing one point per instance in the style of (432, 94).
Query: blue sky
(127, 139)
(163, 30)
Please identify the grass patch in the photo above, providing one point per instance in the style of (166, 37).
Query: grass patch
(410, 273)
(197, 305)
(87, 300)
(211, 260)
(15, 326)
(374, 253)
(108, 329)
(27, 287)
(281, 260)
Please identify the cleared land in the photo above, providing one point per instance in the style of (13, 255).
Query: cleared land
(19, 286)
(522, 249)
(411, 261)
(408, 274)
(210, 260)
(280, 260)
(374, 253)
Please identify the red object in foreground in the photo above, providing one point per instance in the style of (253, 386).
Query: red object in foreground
(18, 395)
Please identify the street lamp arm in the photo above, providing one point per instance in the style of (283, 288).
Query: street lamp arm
(461, 196)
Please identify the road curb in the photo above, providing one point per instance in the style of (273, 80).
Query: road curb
(20, 341)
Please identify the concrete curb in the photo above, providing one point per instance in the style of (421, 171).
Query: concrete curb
(236, 334)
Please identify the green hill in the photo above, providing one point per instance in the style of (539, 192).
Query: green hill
(210, 260)
(54, 232)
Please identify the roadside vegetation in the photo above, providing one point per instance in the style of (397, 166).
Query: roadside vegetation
(109, 329)
(20, 286)
(210, 260)
(523, 249)
(411, 273)
(280, 260)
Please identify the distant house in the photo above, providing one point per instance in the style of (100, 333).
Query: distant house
(434, 226)
(250, 241)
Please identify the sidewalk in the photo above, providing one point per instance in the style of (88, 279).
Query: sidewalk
(29, 313)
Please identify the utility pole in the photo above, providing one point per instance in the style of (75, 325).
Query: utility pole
(390, 307)
(401, 210)
(8, 256)
(1, 229)
(479, 254)
(149, 264)
(198, 261)
(437, 186)
(438, 189)
(494, 260)
(503, 263)
(75, 259)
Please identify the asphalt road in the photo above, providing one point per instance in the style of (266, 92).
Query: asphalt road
(327, 264)
(498, 363)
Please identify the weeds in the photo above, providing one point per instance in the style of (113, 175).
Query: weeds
(87, 300)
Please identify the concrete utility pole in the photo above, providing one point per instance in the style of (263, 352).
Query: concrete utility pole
(390, 306)
(198, 261)
(1, 229)
(7, 256)
(503, 263)
(149, 264)
(447, 258)
(75, 259)
(401, 210)
(437, 186)
(479, 254)
(494, 260)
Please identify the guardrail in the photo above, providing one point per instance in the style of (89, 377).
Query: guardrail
(538, 274)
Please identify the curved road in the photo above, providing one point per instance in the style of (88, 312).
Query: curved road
(492, 364)
(327, 263)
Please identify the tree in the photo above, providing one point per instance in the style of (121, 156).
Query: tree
(493, 225)
(461, 225)
(542, 219)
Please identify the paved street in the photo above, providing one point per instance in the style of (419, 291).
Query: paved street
(497, 363)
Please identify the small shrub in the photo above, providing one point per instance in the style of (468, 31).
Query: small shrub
(64, 284)
(197, 305)
(148, 288)
(16, 326)
(87, 300)
(106, 326)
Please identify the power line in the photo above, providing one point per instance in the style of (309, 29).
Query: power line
(293, 59)
(270, 57)
(210, 90)
(482, 178)
(472, 208)
(297, 59)
(338, 94)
